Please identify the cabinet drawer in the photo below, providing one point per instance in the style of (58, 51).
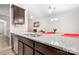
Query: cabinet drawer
(47, 50)
(26, 41)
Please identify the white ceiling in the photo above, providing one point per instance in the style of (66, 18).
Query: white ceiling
(5, 9)
(41, 10)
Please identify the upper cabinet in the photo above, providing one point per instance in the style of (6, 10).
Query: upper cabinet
(18, 15)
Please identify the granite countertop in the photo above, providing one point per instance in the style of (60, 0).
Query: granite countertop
(55, 40)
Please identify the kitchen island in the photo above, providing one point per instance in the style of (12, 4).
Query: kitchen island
(30, 43)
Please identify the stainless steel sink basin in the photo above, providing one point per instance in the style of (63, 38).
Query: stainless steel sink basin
(33, 35)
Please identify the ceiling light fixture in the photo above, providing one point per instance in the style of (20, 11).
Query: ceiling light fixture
(50, 9)
(31, 17)
(54, 19)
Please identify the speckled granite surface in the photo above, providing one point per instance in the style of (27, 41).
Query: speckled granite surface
(55, 40)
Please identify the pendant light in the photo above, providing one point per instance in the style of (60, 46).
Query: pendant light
(50, 9)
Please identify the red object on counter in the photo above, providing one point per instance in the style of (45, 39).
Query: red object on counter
(71, 35)
(50, 33)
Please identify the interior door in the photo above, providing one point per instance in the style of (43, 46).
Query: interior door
(1, 28)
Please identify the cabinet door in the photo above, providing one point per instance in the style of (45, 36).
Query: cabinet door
(48, 50)
(20, 48)
(18, 15)
(26, 41)
(28, 50)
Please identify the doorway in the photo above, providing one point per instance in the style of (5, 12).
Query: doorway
(4, 41)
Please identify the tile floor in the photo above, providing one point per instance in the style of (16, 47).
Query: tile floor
(4, 46)
(6, 51)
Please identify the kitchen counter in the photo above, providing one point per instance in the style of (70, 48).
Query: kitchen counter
(67, 44)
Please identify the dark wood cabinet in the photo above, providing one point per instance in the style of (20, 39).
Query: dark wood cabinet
(28, 50)
(31, 47)
(20, 48)
(18, 15)
(48, 50)
(27, 46)
(24, 49)
(26, 41)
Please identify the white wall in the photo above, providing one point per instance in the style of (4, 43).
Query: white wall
(45, 24)
(68, 22)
